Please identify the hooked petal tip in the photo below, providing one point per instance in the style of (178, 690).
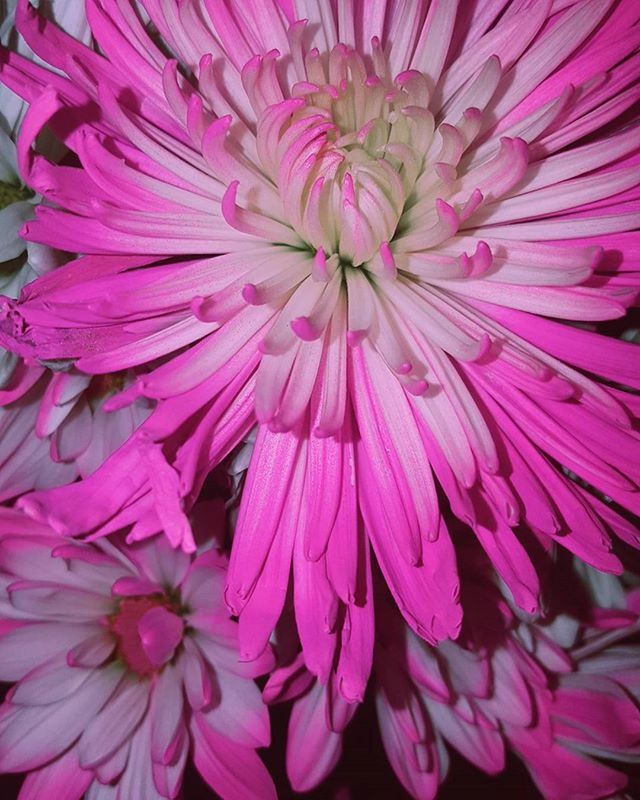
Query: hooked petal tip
(250, 294)
(354, 338)
(304, 329)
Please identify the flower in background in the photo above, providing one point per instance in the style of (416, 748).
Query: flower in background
(56, 426)
(125, 663)
(376, 230)
(20, 261)
(560, 693)
(24, 459)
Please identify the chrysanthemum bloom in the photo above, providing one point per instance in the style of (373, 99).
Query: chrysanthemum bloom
(125, 662)
(559, 695)
(367, 227)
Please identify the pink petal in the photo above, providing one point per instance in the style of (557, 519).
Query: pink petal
(229, 768)
(160, 632)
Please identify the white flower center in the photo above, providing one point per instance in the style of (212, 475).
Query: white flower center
(345, 152)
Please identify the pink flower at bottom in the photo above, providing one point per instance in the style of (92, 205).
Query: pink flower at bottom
(126, 664)
(504, 686)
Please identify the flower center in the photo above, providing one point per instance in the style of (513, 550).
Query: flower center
(345, 152)
(147, 629)
(106, 385)
(9, 194)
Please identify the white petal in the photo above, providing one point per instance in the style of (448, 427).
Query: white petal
(137, 779)
(196, 675)
(36, 734)
(31, 646)
(70, 16)
(12, 219)
(159, 561)
(8, 166)
(115, 723)
(13, 108)
(92, 652)
(29, 558)
(8, 363)
(166, 711)
(62, 779)
(53, 601)
(111, 769)
(50, 683)
(98, 791)
(241, 714)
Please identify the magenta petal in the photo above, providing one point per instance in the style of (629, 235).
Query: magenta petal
(160, 633)
(229, 768)
(62, 779)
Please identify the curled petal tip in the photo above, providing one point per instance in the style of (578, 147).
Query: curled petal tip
(484, 346)
(263, 347)
(472, 113)
(203, 309)
(228, 206)
(324, 433)
(125, 398)
(388, 260)
(417, 388)
(319, 270)
(304, 329)
(354, 338)
(250, 294)
(445, 210)
(276, 425)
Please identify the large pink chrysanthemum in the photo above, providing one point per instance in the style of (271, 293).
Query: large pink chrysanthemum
(126, 664)
(365, 226)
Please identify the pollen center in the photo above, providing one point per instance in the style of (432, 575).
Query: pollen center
(9, 194)
(147, 629)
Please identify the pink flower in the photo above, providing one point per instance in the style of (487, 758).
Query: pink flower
(506, 685)
(125, 661)
(382, 231)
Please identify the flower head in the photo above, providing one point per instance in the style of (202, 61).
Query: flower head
(377, 232)
(124, 661)
(559, 693)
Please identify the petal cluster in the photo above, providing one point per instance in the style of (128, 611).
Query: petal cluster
(383, 242)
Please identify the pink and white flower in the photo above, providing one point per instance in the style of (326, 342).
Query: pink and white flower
(376, 229)
(126, 664)
(560, 695)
